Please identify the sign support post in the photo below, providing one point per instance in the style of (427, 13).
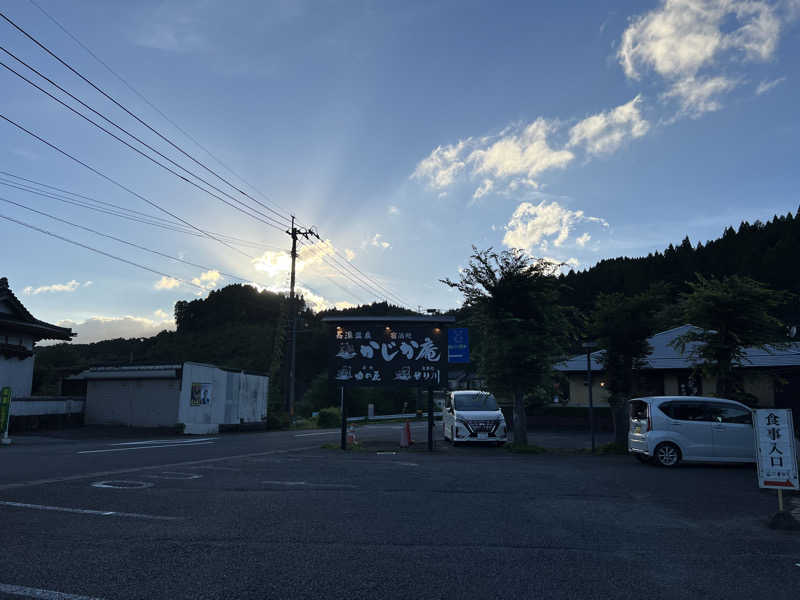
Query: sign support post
(430, 418)
(5, 415)
(344, 419)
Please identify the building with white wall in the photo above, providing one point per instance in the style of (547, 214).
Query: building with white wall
(197, 397)
(19, 332)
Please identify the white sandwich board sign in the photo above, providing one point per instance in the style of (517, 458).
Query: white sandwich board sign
(776, 450)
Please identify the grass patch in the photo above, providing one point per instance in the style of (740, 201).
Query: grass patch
(350, 447)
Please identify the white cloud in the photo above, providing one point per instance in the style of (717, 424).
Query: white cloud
(273, 263)
(766, 86)
(526, 153)
(442, 166)
(605, 132)
(87, 283)
(393, 210)
(583, 240)
(483, 189)
(698, 96)
(681, 37)
(343, 305)
(98, 328)
(166, 283)
(70, 286)
(535, 224)
(688, 42)
(349, 254)
(208, 280)
(378, 243)
(161, 314)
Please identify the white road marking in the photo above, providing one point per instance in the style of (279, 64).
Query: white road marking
(318, 433)
(175, 475)
(407, 464)
(216, 468)
(187, 463)
(86, 511)
(113, 484)
(306, 483)
(184, 445)
(18, 590)
(172, 441)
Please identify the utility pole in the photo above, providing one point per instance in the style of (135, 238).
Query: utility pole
(295, 232)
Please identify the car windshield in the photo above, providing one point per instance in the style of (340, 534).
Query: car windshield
(480, 401)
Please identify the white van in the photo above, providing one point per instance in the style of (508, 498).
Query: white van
(473, 416)
(668, 429)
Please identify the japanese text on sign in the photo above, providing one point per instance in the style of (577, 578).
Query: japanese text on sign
(775, 444)
(368, 354)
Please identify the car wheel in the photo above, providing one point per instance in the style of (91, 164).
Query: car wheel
(667, 454)
(642, 458)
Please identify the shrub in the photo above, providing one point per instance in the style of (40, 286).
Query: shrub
(277, 419)
(329, 417)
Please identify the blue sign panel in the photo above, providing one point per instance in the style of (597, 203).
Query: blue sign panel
(457, 345)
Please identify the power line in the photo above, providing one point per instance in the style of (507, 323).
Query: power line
(272, 221)
(119, 211)
(154, 107)
(98, 251)
(362, 280)
(128, 243)
(118, 184)
(170, 227)
(134, 116)
(138, 119)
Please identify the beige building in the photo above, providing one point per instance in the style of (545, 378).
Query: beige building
(771, 377)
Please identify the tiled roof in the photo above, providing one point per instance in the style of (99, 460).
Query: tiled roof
(664, 356)
(23, 320)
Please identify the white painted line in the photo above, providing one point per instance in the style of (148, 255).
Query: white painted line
(318, 433)
(86, 511)
(175, 475)
(122, 484)
(285, 482)
(144, 447)
(407, 464)
(172, 441)
(311, 485)
(187, 463)
(216, 468)
(18, 590)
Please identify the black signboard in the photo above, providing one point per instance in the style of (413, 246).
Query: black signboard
(386, 353)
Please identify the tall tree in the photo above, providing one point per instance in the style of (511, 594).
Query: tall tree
(732, 313)
(621, 325)
(513, 301)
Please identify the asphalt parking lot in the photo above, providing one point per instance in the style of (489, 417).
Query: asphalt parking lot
(274, 515)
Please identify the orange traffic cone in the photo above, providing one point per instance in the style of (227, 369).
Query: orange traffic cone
(351, 435)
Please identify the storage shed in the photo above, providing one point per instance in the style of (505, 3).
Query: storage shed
(201, 397)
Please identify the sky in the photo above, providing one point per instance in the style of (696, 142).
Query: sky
(405, 133)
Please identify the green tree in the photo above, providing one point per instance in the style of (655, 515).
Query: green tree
(732, 314)
(621, 325)
(513, 301)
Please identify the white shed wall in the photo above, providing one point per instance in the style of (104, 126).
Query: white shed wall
(14, 372)
(235, 398)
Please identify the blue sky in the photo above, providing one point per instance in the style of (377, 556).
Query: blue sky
(405, 132)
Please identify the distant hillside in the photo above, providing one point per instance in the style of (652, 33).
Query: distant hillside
(767, 252)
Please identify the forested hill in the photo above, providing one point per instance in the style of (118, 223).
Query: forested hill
(767, 252)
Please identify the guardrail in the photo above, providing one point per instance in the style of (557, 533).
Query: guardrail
(391, 417)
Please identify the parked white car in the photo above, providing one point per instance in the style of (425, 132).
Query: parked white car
(668, 429)
(473, 416)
